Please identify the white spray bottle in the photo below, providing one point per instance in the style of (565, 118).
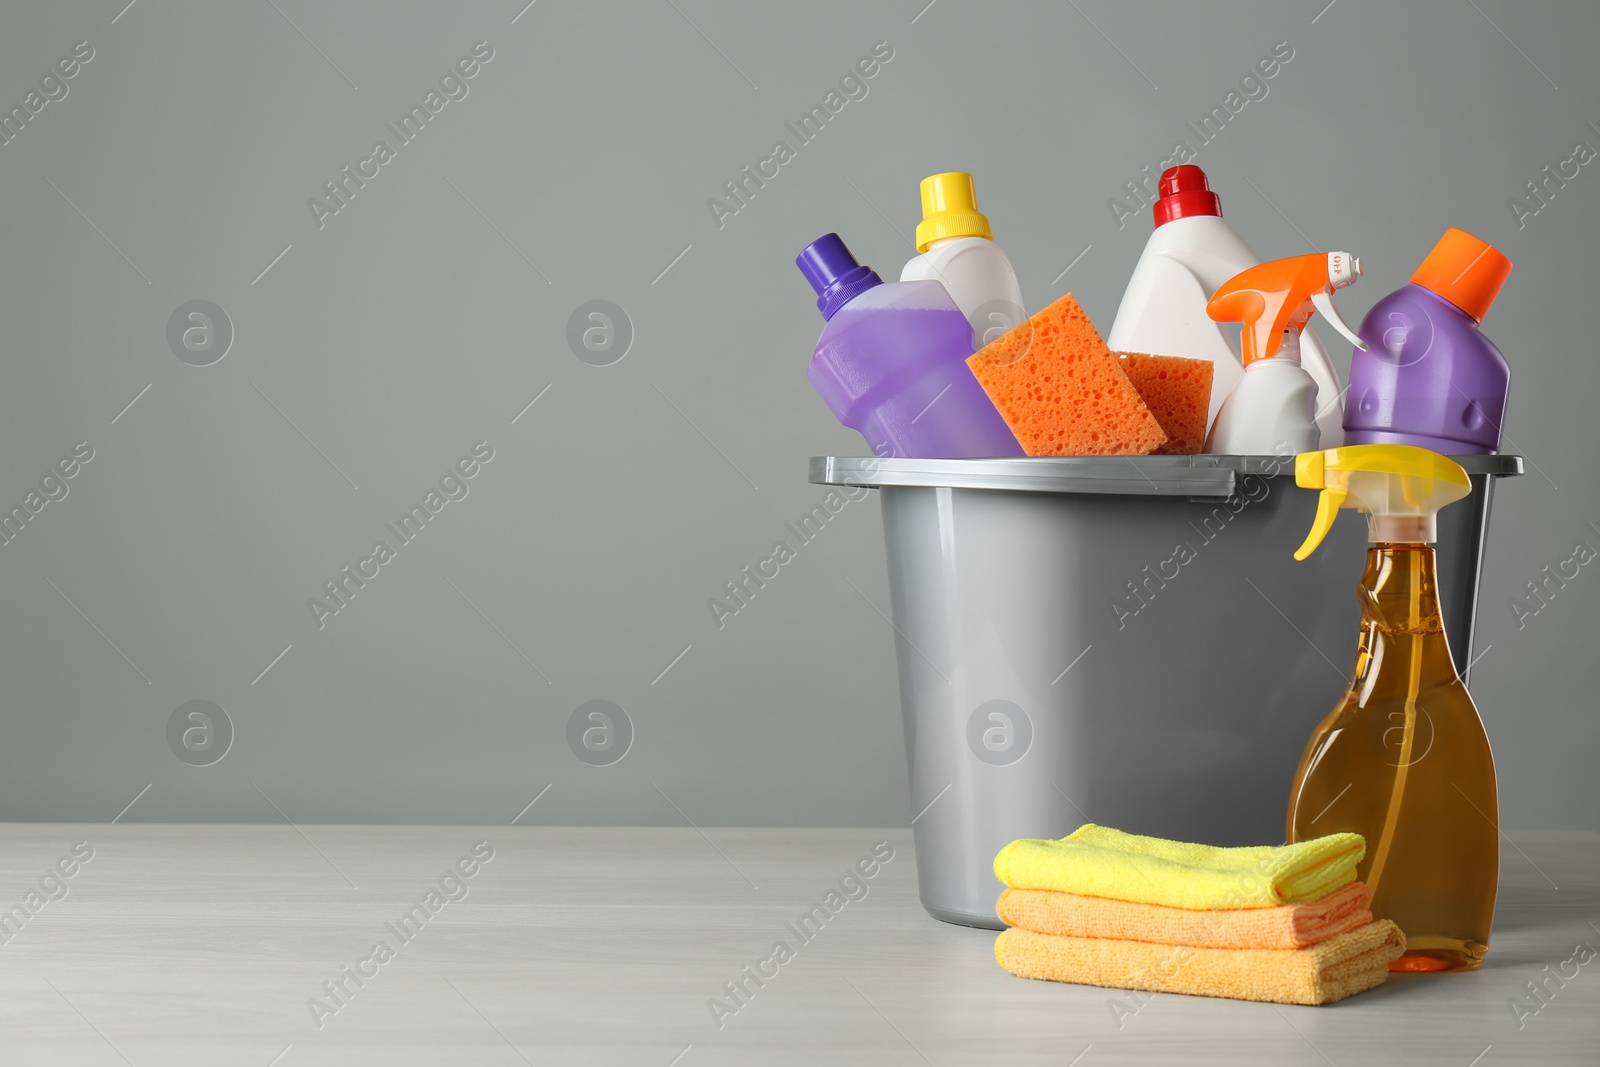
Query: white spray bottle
(1189, 256)
(1274, 403)
(958, 249)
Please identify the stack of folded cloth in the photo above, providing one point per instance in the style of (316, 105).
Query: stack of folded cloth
(1287, 924)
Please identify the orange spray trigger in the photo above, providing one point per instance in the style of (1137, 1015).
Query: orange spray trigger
(1283, 295)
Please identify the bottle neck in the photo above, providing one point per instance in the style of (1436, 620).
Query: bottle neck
(943, 242)
(1288, 351)
(1288, 347)
(1399, 589)
(1447, 305)
(1402, 529)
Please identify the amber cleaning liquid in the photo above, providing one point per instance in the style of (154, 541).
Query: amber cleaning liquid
(1404, 761)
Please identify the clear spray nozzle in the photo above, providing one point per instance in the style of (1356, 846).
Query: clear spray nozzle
(1400, 487)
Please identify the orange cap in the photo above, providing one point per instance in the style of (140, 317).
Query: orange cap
(1464, 270)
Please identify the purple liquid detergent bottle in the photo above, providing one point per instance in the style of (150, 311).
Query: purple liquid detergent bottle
(1428, 376)
(892, 362)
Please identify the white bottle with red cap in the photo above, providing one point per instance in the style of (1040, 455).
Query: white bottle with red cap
(1191, 255)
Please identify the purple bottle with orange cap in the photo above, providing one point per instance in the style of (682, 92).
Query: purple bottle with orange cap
(1429, 377)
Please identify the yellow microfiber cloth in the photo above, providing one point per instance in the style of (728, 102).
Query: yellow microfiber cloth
(1288, 926)
(1097, 861)
(1336, 968)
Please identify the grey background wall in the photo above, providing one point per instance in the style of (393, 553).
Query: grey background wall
(373, 348)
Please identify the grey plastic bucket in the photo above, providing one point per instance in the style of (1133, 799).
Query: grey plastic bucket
(1126, 641)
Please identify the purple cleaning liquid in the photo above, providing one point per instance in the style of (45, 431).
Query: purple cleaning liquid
(1429, 377)
(892, 362)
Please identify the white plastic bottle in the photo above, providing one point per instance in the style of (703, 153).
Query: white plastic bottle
(1272, 409)
(1189, 256)
(957, 249)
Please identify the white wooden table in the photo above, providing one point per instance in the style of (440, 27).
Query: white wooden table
(208, 945)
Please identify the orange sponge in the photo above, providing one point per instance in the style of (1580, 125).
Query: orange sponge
(1061, 390)
(1178, 392)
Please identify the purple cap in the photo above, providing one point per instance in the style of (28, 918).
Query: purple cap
(834, 273)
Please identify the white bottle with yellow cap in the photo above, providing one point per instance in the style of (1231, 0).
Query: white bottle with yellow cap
(957, 249)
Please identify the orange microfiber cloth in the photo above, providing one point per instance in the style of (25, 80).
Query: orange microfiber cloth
(1288, 926)
(1332, 970)
(1061, 390)
(1178, 393)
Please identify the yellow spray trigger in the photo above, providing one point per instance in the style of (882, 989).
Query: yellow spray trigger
(1310, 468)
(1400, 487)
(1329, 501)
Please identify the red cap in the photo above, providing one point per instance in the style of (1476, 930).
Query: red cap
(1464, 270)
(1184, 192)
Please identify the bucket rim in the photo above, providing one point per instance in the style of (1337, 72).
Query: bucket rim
(1162, 476)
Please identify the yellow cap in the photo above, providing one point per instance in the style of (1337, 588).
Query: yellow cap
(950, 209)
(1400, 487)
